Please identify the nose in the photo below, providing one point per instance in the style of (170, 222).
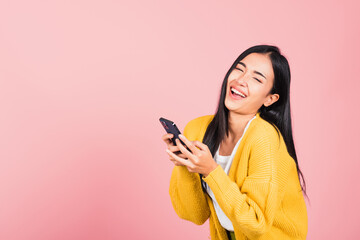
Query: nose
(243, 79)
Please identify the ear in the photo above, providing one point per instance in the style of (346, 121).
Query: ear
(271, 99)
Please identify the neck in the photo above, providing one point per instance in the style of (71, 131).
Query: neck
(237, 123)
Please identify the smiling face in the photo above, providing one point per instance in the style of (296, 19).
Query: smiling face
(252, 77)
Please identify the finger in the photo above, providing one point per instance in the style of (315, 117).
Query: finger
(178, 159)
(189, 144)
(191, 169)
(180, 154)
(193, 158)
(176, 163)
(200, 145)
(173, 148)
(183, 149)
(176, 150)
(167, 138)
(174, 160)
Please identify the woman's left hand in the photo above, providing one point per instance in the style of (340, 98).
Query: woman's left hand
(199, 160)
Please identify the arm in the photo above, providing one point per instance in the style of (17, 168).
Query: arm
(187, 197)
(251, 207)
(186, 194)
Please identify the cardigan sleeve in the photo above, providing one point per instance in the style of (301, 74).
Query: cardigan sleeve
(186, 194)
(251, 207)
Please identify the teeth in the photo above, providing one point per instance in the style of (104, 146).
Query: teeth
(237, 92)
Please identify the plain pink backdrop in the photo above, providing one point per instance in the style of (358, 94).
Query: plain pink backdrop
(83, 84)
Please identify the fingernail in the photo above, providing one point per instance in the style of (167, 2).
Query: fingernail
(180, 135)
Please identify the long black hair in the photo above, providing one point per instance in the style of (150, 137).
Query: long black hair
(278, 114)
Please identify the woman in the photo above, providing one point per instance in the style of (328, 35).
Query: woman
(242, 171)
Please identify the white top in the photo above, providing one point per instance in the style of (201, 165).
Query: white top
(225, 163)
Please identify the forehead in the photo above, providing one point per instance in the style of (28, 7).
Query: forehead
(259, 62)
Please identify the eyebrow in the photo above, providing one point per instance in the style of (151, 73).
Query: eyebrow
(254, 70)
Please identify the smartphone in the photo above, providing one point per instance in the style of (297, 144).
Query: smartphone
(170, 127)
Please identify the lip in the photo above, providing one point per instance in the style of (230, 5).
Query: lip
(238, 90)
(236, 97)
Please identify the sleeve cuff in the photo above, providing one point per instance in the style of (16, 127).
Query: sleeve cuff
(218, 180)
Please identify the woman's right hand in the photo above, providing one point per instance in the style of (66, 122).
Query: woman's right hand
(173, 148)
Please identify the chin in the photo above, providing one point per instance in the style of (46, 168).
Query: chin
(230, 105)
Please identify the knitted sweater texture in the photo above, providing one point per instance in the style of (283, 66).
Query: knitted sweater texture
(261, 195)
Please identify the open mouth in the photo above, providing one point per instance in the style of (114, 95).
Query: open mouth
(236, 93)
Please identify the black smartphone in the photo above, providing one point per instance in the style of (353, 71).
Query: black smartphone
(170, 127)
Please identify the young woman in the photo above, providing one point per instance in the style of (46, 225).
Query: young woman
(242, 171)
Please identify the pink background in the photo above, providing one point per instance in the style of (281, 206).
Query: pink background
(83, 84)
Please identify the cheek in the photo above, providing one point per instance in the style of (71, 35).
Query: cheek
(233, 75)
(257, 89)
(256, 92)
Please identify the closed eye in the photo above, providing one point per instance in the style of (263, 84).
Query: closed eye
(254, 78)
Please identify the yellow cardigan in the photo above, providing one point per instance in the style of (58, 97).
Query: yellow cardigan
(261, 195)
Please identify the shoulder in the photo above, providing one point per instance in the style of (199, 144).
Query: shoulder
(268, 148)
(265, 127)
(199, 121)
(262, 131)
(197, 125)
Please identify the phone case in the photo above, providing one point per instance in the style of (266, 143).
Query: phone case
(170, 127)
